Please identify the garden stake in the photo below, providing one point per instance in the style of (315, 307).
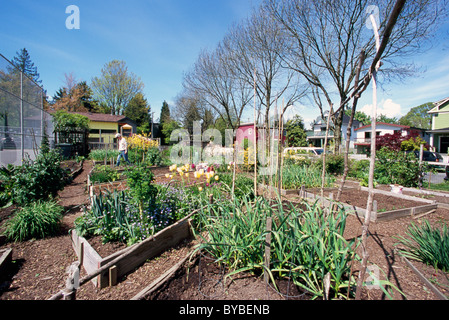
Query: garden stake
(267, 250)
(399, 5)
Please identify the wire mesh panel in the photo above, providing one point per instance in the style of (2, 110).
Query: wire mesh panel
(23, 122)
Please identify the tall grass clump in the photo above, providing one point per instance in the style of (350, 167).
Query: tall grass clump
(427, 244)
(37, 220)
(307, 245)
(310, 246)
(101, 154)
(295, 176)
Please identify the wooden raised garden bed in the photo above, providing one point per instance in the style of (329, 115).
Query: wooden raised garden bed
(410, 206)
(133, 256)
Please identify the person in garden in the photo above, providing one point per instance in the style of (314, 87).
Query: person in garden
(122, 148)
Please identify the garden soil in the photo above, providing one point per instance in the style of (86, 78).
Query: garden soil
(39, 267)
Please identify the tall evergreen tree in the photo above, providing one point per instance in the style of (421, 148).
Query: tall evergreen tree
(139, 111)
(22, 61)
(165, 113)
(166, 122)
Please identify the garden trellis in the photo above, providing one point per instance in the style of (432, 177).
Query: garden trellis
(23, 121)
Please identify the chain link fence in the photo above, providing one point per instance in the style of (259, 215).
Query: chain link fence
(23, 121)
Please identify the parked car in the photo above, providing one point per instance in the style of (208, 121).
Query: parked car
(428, 156)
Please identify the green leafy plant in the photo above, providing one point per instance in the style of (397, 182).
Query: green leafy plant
(392, 167)
(294, 176)
(335, 164)
(307, 245)
(37, 220)
(427, 244)
(101, 154)
(139, 180)
(116, 218)
(110, 217)
(104, 173)
(37, 180)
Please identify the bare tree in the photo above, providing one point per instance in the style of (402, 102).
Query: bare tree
(257, 43)
(188, 108)
(218, 86)
(328, 36)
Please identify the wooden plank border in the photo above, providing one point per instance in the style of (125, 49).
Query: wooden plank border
(360, 212)
(426, 282)
(161, 241)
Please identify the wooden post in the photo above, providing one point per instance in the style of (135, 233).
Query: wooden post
(421, 151)
(113, 276)
(302, 192)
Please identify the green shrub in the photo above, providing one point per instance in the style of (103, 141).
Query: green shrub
(392, 167)
(34, 221)
(140, 182)
(104, 173)
(359, 169)
(154, 157)
(335, 164)
(37, 180)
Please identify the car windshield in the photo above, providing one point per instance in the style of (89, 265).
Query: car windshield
(319, 151)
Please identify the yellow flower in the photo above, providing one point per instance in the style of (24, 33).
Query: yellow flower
(187, 174)
(216, 178)
(200, 189)
(167, 175)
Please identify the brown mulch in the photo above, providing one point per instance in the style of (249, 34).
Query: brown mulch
(38, 270)
(358, 198)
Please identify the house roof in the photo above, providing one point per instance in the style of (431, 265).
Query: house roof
(386, 124)
(103, 117)
(443, 130)
(323, 122)
(438, 105)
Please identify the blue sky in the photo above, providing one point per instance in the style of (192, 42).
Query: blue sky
(160, 40)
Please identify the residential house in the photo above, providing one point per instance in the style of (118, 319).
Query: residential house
(316, 136)
(364, 134)
(104, 127)
(246, 131)
(439, 135)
